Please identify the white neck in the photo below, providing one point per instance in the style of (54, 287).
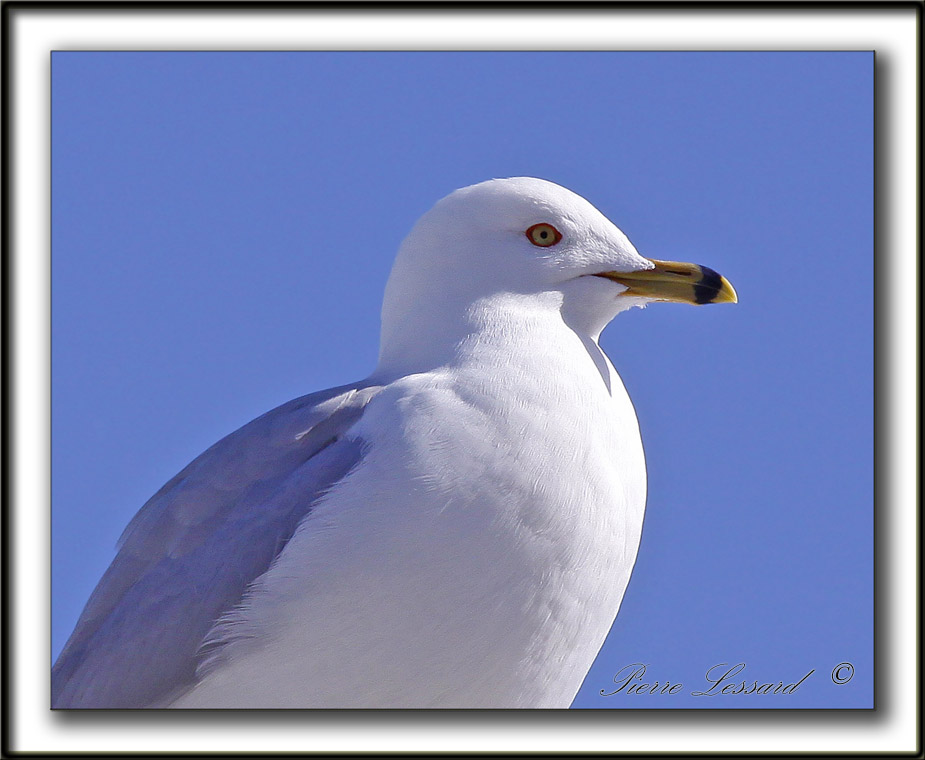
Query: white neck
(447, 334)
(447, 329)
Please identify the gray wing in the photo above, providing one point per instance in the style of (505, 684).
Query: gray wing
(195, 546)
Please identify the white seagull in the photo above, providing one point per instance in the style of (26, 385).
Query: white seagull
(457, 530)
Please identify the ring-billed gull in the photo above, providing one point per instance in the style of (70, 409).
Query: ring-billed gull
(457, 530)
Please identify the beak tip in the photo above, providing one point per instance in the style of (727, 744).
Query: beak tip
(727, 293)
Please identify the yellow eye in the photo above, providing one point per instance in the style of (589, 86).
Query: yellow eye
(543, 235)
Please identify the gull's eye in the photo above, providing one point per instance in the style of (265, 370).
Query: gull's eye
(543, 235)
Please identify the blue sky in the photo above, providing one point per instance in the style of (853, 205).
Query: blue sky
(223, 225)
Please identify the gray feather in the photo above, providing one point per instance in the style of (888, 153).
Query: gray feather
(192, 550)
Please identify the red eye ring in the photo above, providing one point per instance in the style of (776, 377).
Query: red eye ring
(543, 235)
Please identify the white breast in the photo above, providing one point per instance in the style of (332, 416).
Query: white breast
(476, 557)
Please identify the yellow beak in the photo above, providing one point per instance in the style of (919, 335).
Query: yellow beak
(676, 281)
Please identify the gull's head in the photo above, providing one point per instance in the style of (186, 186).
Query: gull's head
(530, 241)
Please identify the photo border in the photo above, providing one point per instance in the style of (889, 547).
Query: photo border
(893, 728)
